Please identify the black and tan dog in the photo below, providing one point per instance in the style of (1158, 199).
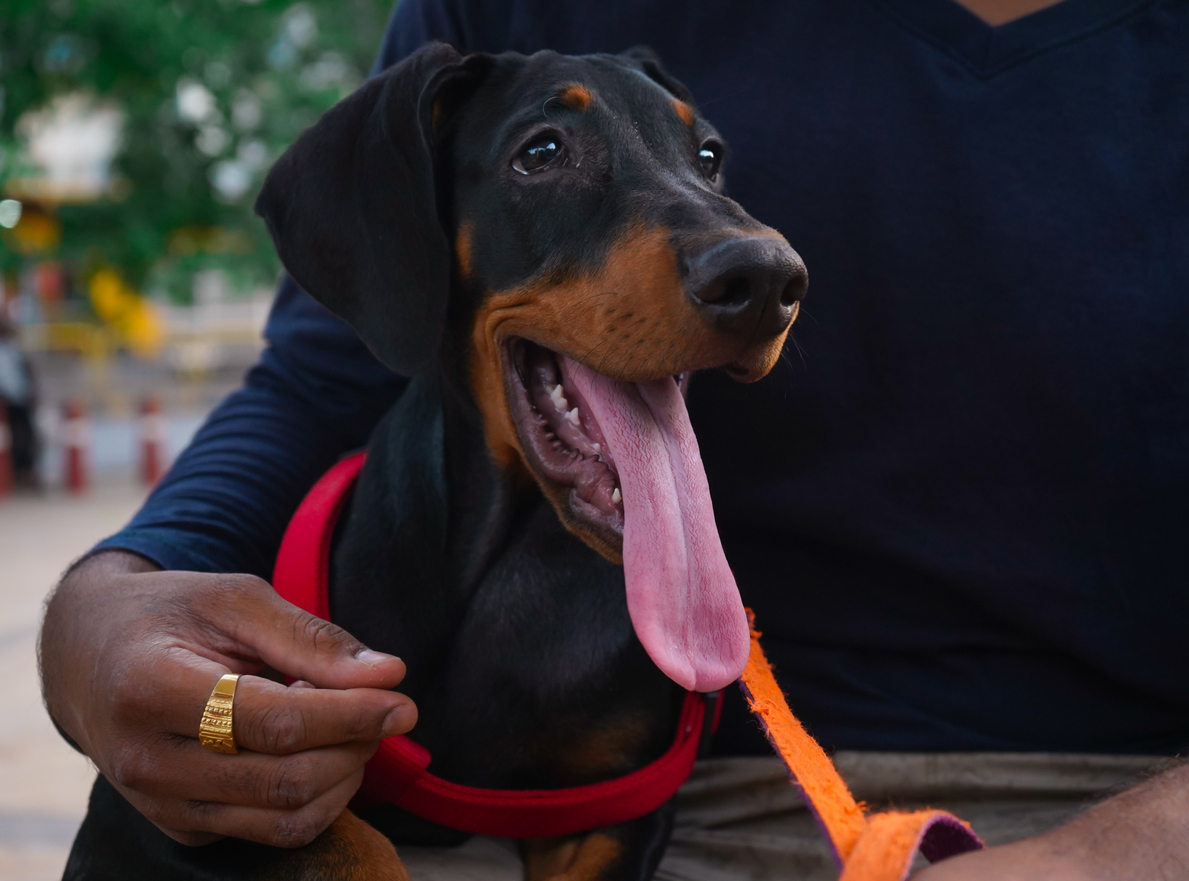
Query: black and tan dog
(545, 245)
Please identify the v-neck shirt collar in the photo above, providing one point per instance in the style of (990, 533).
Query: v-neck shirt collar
(988, 50)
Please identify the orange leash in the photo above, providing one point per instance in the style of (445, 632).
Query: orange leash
(868, 847)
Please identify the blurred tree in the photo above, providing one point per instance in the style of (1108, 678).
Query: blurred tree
(209, 91)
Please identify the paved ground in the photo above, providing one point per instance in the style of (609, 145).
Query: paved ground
(43, 783)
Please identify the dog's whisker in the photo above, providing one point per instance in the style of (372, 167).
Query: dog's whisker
(603, 361)
(800, 352)
(586, 357)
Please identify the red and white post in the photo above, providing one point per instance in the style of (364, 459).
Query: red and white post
(152, 440)
(76, 445)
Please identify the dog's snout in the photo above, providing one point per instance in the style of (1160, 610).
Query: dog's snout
(747, 285)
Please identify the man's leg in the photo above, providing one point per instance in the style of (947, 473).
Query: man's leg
(739, 819)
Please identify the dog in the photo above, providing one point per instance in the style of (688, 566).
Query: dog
(545, 245)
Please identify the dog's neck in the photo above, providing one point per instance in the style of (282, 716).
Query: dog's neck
(483, 500)
(430, 513)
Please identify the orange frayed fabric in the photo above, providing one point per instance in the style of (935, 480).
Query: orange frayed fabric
(879, 847)
(886, 849)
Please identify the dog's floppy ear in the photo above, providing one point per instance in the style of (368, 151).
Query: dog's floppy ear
(352, 208)
(644, 59)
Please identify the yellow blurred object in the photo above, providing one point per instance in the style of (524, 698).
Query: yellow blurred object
(132, 316)
(73, 336)
(35, 233)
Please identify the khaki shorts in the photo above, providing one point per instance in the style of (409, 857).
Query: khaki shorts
(740, 820)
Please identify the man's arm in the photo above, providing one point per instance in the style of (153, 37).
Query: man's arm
(315, 394)
(1139, 835)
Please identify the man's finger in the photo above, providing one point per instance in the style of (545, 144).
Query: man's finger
(268, 717)
(294, 642)
(249, 779)
(195, 822)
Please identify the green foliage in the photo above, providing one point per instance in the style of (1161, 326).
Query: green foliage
(185, 161)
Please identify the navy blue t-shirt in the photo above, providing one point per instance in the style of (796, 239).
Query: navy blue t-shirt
(960, 504)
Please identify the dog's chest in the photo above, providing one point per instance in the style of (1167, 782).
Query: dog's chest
(535, 679)
(545, 672)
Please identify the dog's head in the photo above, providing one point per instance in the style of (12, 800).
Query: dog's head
(555, 230)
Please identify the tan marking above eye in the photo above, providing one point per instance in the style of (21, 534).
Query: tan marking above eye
(462, 249)
(575, 96)
(684, 111)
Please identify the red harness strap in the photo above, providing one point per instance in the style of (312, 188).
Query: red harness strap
(868, 847)
(397, 773)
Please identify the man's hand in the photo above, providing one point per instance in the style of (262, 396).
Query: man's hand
(129, 655)
(1140, 835)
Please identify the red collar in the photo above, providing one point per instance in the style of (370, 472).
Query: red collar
(397, 774)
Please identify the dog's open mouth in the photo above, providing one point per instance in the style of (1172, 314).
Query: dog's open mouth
(629, 458)
(562, 438)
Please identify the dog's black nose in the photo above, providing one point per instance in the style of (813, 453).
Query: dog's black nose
(748, 285)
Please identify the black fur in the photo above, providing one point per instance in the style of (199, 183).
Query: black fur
(520, 652)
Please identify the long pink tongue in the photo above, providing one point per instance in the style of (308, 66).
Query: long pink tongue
(681, 594)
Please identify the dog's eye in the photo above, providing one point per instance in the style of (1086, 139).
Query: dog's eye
(540, 154)
(710, 158)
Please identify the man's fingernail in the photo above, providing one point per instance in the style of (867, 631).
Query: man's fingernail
(400, 719)
(374, 659)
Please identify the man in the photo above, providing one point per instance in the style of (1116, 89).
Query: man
(956, 508)
(18, 398)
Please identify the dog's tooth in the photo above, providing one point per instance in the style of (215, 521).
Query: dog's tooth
(616, 496)
(572, 416)
(557, 395)
(597, 449)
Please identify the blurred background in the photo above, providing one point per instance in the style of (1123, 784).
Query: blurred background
(134, 281)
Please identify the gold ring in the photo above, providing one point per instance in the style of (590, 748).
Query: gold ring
(215, 731)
